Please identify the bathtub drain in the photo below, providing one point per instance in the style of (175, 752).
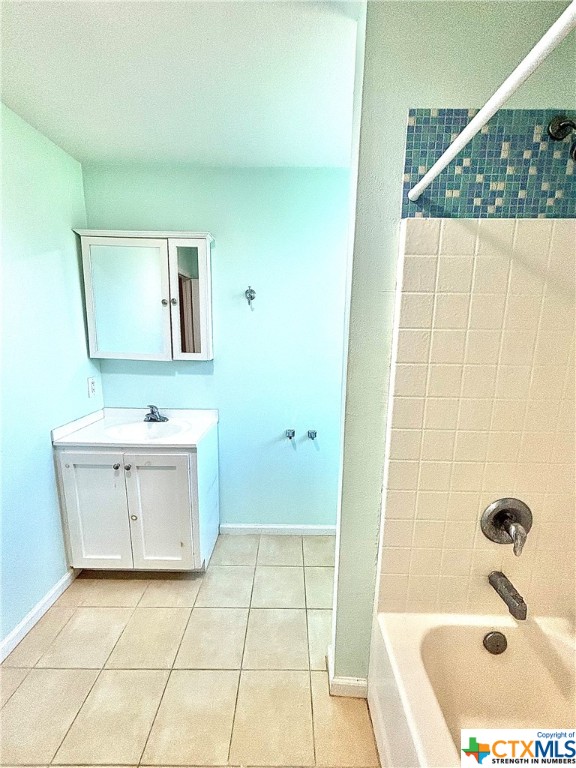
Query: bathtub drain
(495, 642)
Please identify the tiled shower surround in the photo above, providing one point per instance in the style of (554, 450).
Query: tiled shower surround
(483, 407)
(510, 169)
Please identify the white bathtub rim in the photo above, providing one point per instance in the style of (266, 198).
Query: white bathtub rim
(422, 709)
(416, 693)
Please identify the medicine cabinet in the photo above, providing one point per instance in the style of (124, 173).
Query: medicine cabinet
(148, 294)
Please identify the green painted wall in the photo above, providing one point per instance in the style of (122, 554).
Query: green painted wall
(44, 358)
(283, 231)
(418, 54)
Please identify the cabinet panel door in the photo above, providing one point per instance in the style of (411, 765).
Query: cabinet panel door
(161, 513)
(96, 509)
(127, 297)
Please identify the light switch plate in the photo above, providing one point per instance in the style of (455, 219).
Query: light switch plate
(91, 386)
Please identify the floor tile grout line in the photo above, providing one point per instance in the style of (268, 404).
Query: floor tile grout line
(181, 669)
(28, 670)
(309, 661)
(91, 688)
(185, 630)
(243, 652)
(168, 676)
(94, 683)
(74, 609)
(170, 672)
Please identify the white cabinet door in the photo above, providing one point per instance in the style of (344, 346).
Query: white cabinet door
(160, 504)
(96, 509)
(127, 297)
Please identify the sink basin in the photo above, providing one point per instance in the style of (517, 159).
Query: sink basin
(144, 430)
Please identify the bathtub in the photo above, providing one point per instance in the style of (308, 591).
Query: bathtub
(430, 675)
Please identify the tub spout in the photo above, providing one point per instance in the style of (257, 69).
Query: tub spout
(509, 594)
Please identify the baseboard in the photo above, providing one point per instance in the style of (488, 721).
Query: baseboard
(21, 630)
(355, 687)
(285, 530)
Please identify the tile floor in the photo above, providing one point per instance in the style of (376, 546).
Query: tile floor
(225, 668)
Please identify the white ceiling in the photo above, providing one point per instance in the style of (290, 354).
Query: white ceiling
(214, 83)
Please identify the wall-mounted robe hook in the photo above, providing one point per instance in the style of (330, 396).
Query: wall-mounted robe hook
(250, 294)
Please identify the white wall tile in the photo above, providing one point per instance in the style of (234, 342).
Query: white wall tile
(416, 310)
(447, 346)
(400, 505)
(431, 505)
(466, 476)
(471, 446)
(508, 415)
(454, 274)
(483, 408)
(428, 533)
(434, 475)
(403, 475)
(413, 346)
(513, 381)
(495, 237)
(503, 446)
(441, 413)
(479, 381)
(483, 347)
(422, 236)
(437, 445)
(408, 412)
(518, 347)
(523, 312)
(458, 237)
(444, 380)
(419, 273)
(490, 275)
(451, 310)
(475, 414)
(487, 311)
(396, 560)
(426, 561)
(405, 444)
(398, 533)
(410, 380)
(463, 505)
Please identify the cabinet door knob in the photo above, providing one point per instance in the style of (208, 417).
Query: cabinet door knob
(133, 517)
(127, 467)
(164, 302)
(115, 466)
(174, 302)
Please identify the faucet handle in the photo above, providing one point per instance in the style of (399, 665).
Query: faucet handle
(517, 534)
(507, 521)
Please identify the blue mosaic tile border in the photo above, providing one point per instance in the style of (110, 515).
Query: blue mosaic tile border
(511, 169)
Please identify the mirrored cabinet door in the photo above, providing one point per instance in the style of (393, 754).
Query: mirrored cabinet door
(127, 297)
(190, 303)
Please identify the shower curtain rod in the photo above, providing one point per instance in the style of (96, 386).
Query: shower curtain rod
(557, 32)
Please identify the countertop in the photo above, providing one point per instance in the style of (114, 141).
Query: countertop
(125, 427)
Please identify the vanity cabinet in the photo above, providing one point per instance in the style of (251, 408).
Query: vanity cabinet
(136, 507)
(129, 510)
(148, 294)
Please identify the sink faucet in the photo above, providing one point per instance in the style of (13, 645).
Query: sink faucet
(154, 415)
(509, 594)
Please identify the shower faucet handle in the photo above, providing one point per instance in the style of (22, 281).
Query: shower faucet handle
(507, 521)
(290, 433)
